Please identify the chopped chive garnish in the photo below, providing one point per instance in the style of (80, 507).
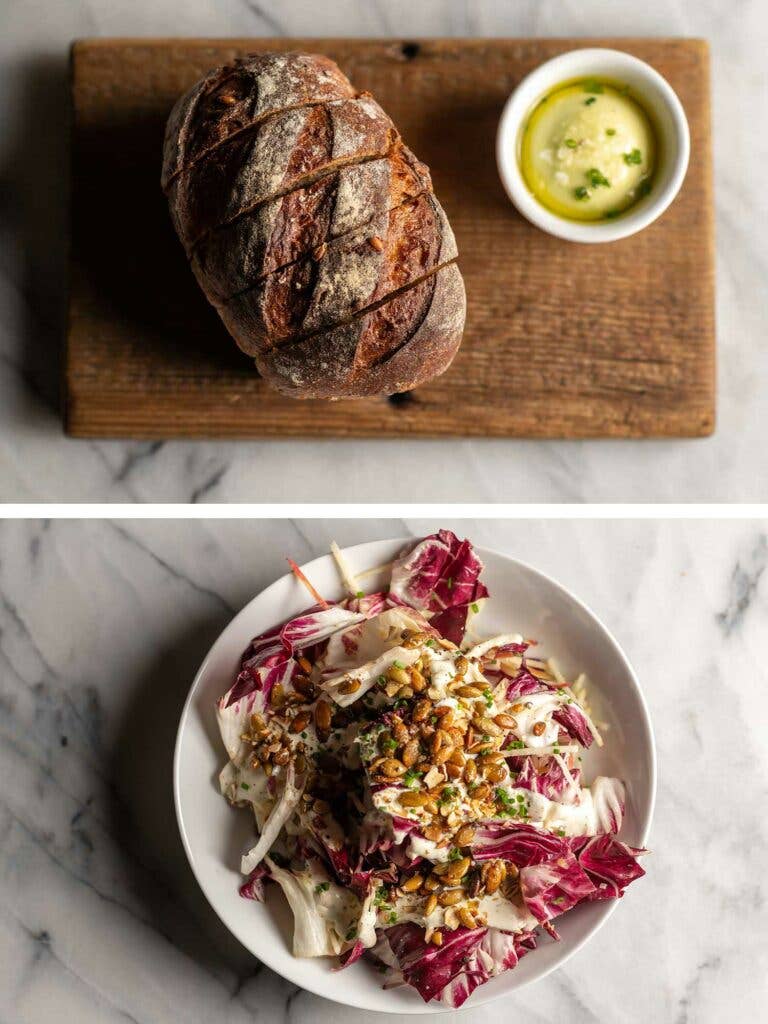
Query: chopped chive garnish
(635, 157)
(571, 143)
(398, 664)
(597, 178)
(593, 86)
(590, 101)
(244, 785)
(610, 131)
(359, 594)
(322, 887)
(581, 192)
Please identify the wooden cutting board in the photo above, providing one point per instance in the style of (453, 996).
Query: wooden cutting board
(561, 340)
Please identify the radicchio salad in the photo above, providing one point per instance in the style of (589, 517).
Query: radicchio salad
(418, 796)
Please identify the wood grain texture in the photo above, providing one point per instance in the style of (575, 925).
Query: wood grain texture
(561, 340)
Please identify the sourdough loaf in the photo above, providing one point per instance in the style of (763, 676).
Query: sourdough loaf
(313, 229)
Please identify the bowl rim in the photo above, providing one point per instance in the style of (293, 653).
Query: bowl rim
(608, 907)
(518, 106)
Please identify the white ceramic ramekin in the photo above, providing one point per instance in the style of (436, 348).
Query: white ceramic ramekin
(656, 95)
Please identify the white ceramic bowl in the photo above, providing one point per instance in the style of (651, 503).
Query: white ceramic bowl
(214, 834)
(654, 92)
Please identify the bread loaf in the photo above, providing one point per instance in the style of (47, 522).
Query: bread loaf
(313, 229)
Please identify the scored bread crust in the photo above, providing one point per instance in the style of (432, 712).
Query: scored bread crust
(280, 231)
(233, 97)
(313, 229)
(336, 363)
(280, 154)
(355, 271)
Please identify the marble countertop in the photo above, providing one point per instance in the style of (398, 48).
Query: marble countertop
(38, 462)
(102, 626)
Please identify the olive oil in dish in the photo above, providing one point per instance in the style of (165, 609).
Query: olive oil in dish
(588, 150)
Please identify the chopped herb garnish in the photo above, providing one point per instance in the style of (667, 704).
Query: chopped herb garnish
(571, 143)
(430, 642)
(382, 896)
(643, 188)
(597, 178)
(610, 214)
(590, 101)
(411, 778)
(447, 794)
(506, 801)
(359, 594)
(393, 918)
(449, 582)
(559, 831)
(635, 157)
(244, 785)
(382, 680)
(517, 745)
(398, 664)
(475, 607)
(488, 698)
(520, 798)
(455, 853)
(581, 192)
(610, 131)
(390, 744)
(322, 887)
(351, 934)
(593, 86)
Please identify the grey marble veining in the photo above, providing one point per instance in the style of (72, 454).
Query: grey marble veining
(102, 626)
(37, 462)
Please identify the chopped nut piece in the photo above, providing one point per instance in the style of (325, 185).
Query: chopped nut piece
(349, 686)
(301, 721)
(398, 675)
(486, 726)
(305, 663)
(421, 711)
(505, 721)
(418, 682)
(496, 773)
(437, 938)
(431, 905)
(450, 897)
(392, 768)
(410, 754)
(493, 873)
(376, 243)
(412, 884)
(464, 836)
(470, 691)
(538, 729)
(466, 918)
(413, 799)
(277, 696)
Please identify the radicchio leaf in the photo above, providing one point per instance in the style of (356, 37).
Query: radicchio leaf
(551, 783)
(440, 574)
(551, 888)
(524, 845)
(253, 887)
(571, 718)
(610, 864)
(466, 959)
